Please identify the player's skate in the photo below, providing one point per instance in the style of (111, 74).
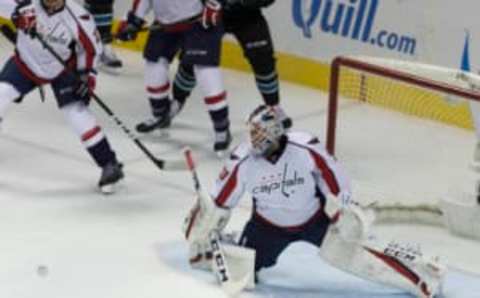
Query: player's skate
(222, 142)
(109, 60)
(160, 120)
(153, 123)
(112, 173)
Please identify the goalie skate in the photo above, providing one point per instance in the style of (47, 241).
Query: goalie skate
(112, 173)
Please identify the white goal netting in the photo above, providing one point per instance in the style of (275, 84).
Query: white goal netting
(403, 130)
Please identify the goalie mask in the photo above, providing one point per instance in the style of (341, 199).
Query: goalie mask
(264, 130)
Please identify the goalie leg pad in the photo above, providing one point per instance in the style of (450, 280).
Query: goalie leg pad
(394, 264)
(241, 261)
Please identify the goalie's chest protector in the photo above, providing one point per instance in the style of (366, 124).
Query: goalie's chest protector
(285, 192)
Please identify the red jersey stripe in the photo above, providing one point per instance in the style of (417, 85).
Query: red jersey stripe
(327, 173)
(399, 267)
(227, 188)
(27, 72)
(88, 46)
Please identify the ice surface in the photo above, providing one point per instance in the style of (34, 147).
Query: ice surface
(59, 238)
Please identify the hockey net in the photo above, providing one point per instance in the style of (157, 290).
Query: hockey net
(394, 127)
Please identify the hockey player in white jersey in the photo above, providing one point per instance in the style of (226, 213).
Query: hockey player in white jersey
(300, 193)
(71, 33)
(194, 31)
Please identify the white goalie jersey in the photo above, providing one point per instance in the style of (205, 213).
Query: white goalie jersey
(71, 33)
(289, 192)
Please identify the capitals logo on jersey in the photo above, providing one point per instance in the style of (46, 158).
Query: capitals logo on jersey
(281, 182)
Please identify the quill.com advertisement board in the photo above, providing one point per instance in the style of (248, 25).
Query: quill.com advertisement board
(427, 30)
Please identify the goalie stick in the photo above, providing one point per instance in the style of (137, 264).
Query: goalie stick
(219, 259)
(160, 163)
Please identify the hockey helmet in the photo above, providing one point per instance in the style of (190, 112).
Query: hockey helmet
(264, 129)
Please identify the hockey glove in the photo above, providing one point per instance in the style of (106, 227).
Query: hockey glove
(212, 13)
(85, 85)
(24, 18)
(128, 30)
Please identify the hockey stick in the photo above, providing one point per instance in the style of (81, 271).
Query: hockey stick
(160, 163)
(11, 36)
(220, 263)
(220, 267)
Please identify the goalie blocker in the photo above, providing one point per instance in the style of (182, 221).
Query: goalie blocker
(300, 193)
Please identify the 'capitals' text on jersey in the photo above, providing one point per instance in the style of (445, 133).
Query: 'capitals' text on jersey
(287, 193)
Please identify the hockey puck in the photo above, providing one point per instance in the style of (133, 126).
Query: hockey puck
(42, 270)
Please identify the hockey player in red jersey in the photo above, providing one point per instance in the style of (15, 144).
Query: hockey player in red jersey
(192, 29)
(71, 33)
(301, 193)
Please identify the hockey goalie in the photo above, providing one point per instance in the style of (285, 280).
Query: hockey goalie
(300, 193)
